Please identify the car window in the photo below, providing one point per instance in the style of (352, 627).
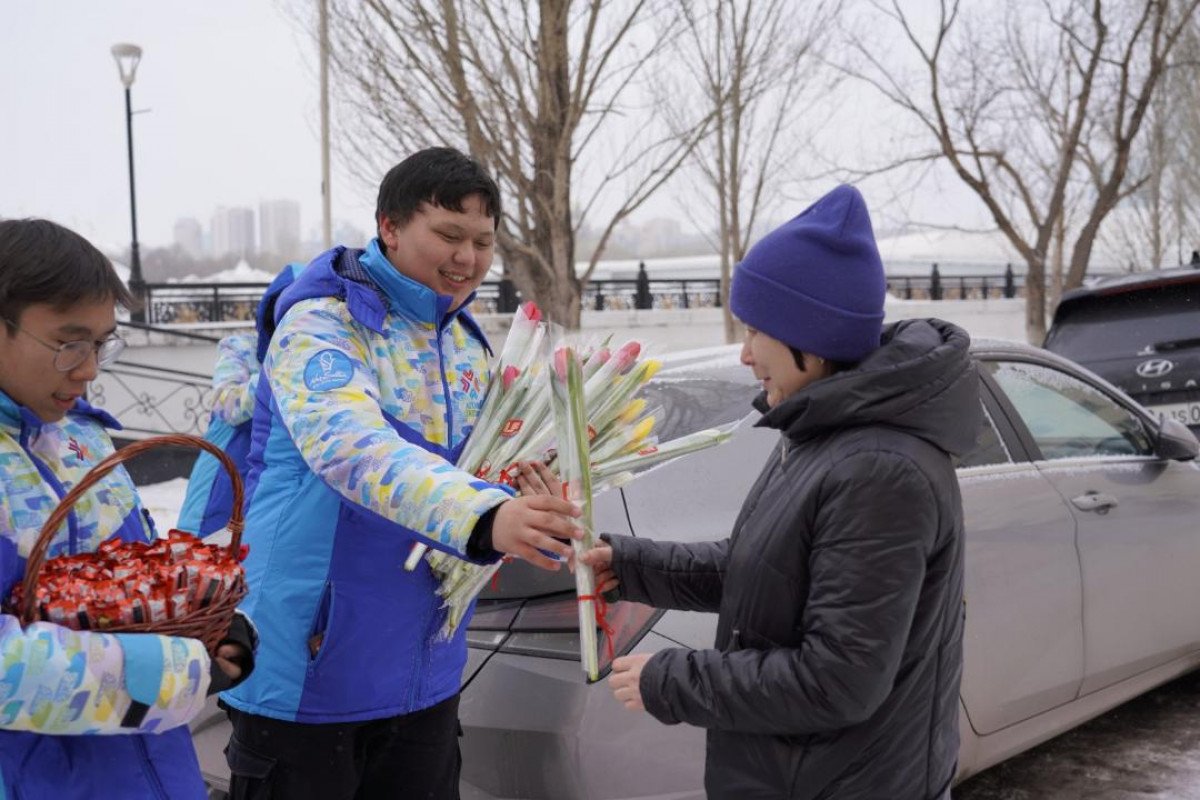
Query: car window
(1152, 320)
(1068, 417)
(989, 447)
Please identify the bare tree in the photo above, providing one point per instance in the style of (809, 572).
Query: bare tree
(748, 63)
(1159, 225)
(1036, 108)
(528, 88)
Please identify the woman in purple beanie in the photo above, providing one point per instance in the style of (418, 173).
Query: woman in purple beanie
(838, 655)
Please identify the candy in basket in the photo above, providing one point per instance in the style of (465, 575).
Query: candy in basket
(177, 586)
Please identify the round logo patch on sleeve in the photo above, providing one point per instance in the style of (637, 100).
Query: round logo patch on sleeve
(328, 369)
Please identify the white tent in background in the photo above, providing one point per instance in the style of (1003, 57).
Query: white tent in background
(241, 272)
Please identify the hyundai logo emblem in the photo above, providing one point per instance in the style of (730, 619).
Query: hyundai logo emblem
(1155, 368)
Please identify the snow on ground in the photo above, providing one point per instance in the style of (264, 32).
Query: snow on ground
(163, 501)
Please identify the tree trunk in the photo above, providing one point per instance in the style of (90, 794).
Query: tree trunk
(552, 162)
(1035, 301)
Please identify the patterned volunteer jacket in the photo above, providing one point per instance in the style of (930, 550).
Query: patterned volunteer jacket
(209, 496)
(369, 389)
(79, 685)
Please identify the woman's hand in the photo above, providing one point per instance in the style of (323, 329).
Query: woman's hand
(599, 558)
(626, 678)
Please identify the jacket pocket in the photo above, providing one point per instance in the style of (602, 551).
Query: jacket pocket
(320, 630)
(252, 767)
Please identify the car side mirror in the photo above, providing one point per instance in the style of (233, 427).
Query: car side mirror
(1175, 441)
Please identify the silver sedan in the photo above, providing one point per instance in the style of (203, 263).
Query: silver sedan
(1083, 550)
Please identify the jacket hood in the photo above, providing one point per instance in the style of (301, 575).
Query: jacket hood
(265, 317)
(921, 380)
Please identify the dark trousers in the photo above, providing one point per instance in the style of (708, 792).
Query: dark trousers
(410, 756)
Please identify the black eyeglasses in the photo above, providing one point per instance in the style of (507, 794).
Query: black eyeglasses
(69, 355)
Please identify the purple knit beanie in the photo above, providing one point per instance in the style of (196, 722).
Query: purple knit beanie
(816, 283)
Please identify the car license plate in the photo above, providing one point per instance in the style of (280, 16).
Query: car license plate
(1187, 413)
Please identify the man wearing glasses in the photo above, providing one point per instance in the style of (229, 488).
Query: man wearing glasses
(60, 688)
(72, 358)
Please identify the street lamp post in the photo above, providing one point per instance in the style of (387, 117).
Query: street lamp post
(127, 57)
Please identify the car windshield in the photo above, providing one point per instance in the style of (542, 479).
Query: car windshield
(1158, 319)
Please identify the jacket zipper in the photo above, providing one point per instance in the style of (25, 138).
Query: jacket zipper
(445, 390)
(60, 491)
(150, 772)
(424, 655)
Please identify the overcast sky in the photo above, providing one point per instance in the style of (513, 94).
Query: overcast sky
(230, 96)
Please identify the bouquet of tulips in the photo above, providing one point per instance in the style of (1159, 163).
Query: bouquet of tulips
(531, 390)
(573, 457)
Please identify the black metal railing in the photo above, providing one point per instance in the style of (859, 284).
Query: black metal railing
(936, 286)
(622, 295)
(174, 303)
(170, 332)
(149, 399)
(190, 303)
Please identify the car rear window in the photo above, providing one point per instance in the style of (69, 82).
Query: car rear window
(1125, 324)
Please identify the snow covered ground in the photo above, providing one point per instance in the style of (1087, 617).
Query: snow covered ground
(163, 501)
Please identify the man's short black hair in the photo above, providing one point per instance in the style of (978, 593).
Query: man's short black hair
(441, 176)
(43, 262)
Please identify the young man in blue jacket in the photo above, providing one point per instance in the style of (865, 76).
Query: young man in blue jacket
(370, 387)
(82, 714)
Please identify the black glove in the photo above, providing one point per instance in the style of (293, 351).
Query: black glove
(241, 633)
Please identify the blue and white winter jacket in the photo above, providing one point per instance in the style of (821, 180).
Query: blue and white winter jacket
(370, 388)
(85, 714)
(209, 499)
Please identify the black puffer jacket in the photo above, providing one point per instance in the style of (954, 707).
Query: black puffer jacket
(836, 668)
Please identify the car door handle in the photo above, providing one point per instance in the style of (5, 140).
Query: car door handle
(1095, 501)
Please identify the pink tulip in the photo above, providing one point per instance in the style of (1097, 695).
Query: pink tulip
(560, 362)
(627, 356)
(511, 374)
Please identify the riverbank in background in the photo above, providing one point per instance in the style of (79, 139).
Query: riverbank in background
(665, 330)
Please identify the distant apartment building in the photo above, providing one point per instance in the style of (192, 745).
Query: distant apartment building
(189, 236)
(233, 232)
(279, 228)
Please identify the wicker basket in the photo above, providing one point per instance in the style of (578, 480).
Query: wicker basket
(208, 624)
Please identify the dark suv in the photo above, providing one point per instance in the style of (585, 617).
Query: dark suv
(1141, 332)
